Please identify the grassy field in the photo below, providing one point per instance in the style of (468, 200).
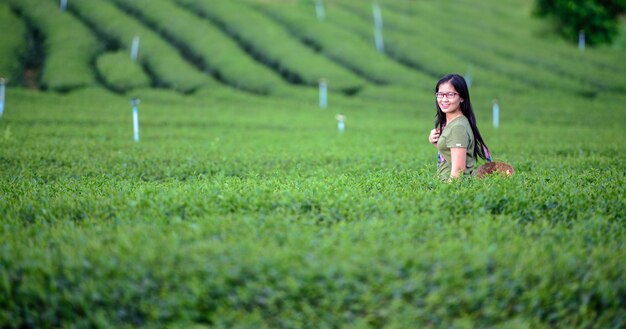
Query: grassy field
(243, 206)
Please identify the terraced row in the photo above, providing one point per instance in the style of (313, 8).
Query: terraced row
(273, 45)
(157, 56)
(486, 42)
(419, 54)
(262, 47)
(358, 55)
(68, 45)
(198, 42)
(429, 29)
(12, 45)
(205, 44)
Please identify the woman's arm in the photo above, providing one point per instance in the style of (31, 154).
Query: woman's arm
(458, 158)
(433, 137)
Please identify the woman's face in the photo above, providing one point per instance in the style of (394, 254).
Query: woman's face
(448, 99)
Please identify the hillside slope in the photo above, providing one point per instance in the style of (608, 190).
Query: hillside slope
(247, 44)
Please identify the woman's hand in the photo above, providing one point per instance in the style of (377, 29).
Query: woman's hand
(434, 136)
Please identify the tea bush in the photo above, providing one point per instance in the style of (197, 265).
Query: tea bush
(12, 45)
(120, 73)
(219, 54)
(161, 60)
(241, 210)
(488, 33)
(68, 44)
(275, 46)
(360, 56)
(413, 48)
(223, 216)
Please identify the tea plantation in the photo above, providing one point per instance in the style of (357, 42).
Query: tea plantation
(243, 206)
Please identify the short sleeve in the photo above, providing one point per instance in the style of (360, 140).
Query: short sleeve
(458, 137)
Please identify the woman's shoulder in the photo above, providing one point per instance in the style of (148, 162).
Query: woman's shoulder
(460, 121)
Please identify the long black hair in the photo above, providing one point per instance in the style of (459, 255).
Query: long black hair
(458, 82)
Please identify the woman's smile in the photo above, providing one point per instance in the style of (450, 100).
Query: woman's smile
(448, 99)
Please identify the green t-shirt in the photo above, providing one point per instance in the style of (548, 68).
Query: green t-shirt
(457, 133)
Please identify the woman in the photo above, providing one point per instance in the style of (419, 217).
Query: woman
(456, 135)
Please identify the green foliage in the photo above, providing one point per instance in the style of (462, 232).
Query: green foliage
(620, 42)
(68, 45)
(12, 45)
(275, 46)
(120, 73)
(226, 216)
(412, 46)
(358, 55)
(597, 19)
(216, 52)
(473, 45)
(161, 60)
(240, 210)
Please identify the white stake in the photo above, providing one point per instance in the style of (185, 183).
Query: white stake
(378, 40)
(496, 114)
(378, 17)
(63, 5)
(378, 28)
(341, 126)
(323, 94)
(319, 10)
(134, 50)
(2, 82)
(468, 77)
(581, 40)
(134, 102)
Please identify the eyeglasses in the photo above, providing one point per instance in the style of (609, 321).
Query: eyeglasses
(450, 95)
